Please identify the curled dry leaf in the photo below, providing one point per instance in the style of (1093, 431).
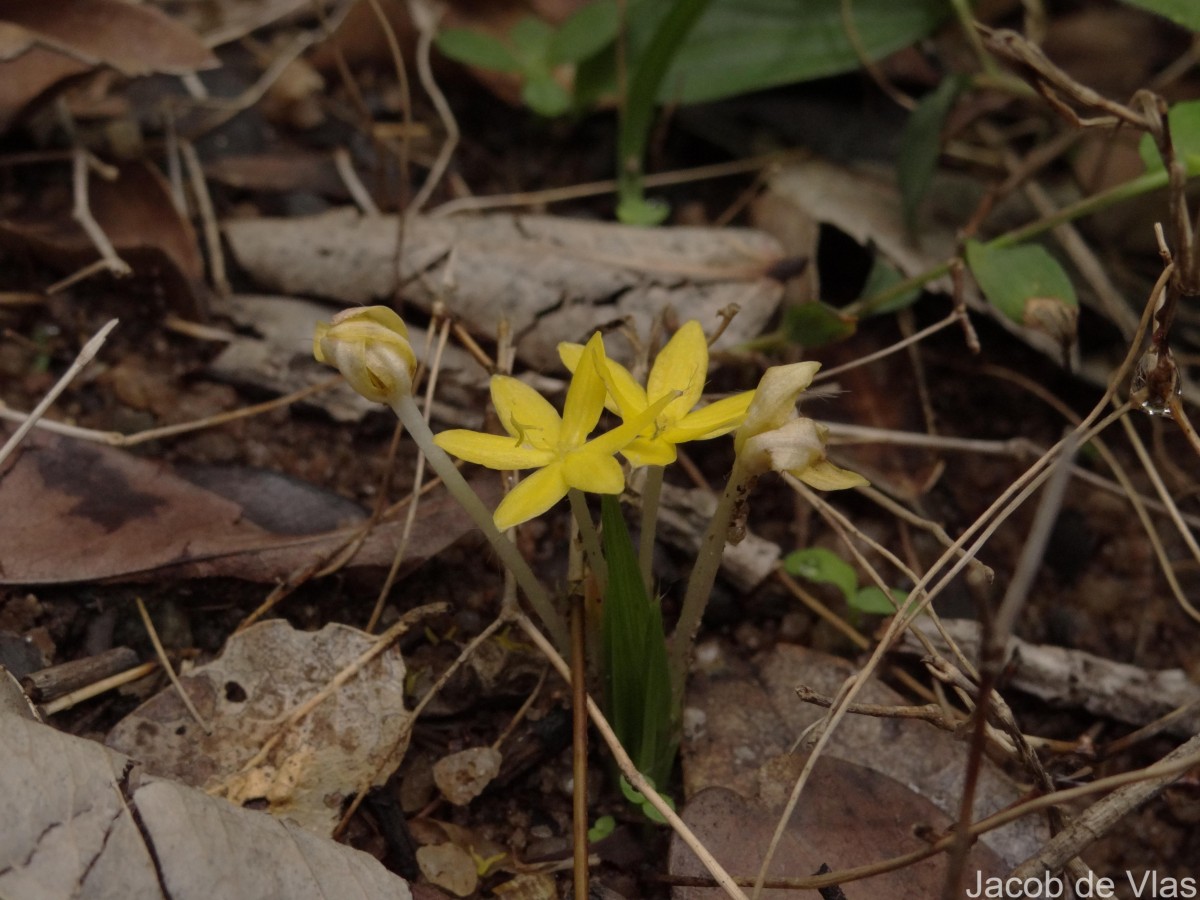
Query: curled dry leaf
(79, 820)
(564, 276)
(248, 693)
(462, 776)
(94, 512)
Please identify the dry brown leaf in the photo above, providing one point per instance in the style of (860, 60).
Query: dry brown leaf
(739, 718)
(448, 866)
(68, 829)
(850, 816)
(93, 512)
(246, 695)
(138, 216)
(463, 776)
(29, 75)
(133, 39)
(552, 279)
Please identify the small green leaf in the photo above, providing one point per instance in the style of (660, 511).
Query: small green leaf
(642, 211)
(531, 41)
(1181, 12)
(881, 278)
(586, 33)
(816, 324)
(1028, 285)
(545, 96)
(1184, 119)
(873, 601)
(474, 48)
(602, 828)
(824, 567)
(638, 799)
(921, 145)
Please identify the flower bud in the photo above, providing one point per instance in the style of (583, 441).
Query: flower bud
(369, 346)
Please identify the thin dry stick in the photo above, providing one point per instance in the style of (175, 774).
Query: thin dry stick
(426, 16)
(629, 770)
(89, 350)
(955, 316)
(161, 652)
(66, 701)
(208, 219)
(358, 192)
(81, 163)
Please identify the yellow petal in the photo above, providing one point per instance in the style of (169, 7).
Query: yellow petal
(612, 442)
(585, 396)
(774, 402)
(825, 476)
(625, 396)
(492, 450)
(682, 365)
(532, 497)
(710, 421)
(593, 473)
(525, 414)
(650, 452)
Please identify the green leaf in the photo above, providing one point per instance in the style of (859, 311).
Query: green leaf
(816, 324)
(746, 45)
(1028, 285)
(1181, 12)
(921, 145)
(586, 33)
(637, 798)
(824, 567)
(873, 601)
(641, 211)
(1184, 119)
(881, 278)
(545, 96)
(602, 828)
(638, 686)
(531, 38)
(474, 48)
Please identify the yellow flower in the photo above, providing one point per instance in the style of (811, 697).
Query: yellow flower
(775, 437)
(369, 346)
(557, 447)
(679, 371)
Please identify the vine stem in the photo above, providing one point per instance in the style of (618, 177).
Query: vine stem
(406, 409)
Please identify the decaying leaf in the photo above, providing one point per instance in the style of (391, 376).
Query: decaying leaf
(94, 512)
(564, 276)
(248, 693)
(850, 816)
(137, 215)
(448, 866)
(68, 829)
(462, 776)
(740, 718)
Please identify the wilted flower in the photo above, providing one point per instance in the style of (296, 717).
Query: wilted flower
(369, 346)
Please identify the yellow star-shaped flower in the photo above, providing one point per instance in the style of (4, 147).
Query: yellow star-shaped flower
(556, 446)
(679, 371)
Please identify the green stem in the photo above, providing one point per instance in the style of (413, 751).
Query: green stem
(1135, 187)
(708, 562)
(651, 492)
(589, 537)
(406, 409)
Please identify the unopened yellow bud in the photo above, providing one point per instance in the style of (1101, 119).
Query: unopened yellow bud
(369, 346)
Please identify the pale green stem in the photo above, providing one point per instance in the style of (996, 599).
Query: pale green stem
(406, 409)
(651, 491)
(589, 538)
(708, 562)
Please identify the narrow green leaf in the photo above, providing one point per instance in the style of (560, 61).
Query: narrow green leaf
(1184, 119)
(1181, 12)
(873, 601)
(586, 33)
(881, 278)
(921, 145)
(1028, 285)
(474, 48)
(635, 656)
(824, 567)
(816, 324)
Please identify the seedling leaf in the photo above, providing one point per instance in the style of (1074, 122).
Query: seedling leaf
(1181, 12)
(873, 601)
(921, 145)
(881, 278)
(474, 48)
(816, 324)
(545, 96)
(1184, 119)
(586, 33)
(1028, 285)
(825, 567)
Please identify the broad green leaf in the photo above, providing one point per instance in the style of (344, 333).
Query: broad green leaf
(1028, 285)
(585, 33)
(474, 48)
(635, 656)
(746, 45)
(921, 145)
(824, 567)
(816, 324)
(545, 96)
(1184, 119)
(873, 601)
(881, 278)
(1181, 12)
